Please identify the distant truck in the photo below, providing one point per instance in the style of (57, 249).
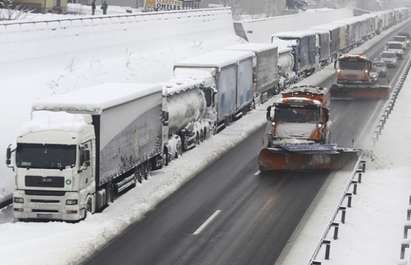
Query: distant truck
(390, 58)
(305, 50)
(265, 73)
(397, 47)
(82, 149)
(232, 72)
(356, 79)
(403, 39)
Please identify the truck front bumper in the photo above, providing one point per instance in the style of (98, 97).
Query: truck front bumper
(47, 207)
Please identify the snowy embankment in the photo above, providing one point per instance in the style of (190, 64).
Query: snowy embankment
(260, 30)
(39, 59)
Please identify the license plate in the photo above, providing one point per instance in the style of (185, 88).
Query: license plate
(44, 215)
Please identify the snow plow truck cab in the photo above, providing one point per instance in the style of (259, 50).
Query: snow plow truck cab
(356, 79)
(297, 133)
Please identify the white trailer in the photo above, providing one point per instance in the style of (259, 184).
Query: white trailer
(233, 75)
(83, 148)
(266, 76)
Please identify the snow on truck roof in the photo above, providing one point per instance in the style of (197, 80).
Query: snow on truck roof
(93, 100)
(216, 59)
(293, 34)
(183, 83)
(255, 47)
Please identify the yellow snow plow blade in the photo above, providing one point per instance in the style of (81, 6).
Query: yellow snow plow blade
(305, 157)
(352, 91)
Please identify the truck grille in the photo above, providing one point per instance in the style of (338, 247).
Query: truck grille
(44, 201)
(44, 211)
(45, 192)
(49, 182)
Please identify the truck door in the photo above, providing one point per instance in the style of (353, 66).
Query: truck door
(85, 164)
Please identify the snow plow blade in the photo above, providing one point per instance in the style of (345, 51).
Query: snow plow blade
(371, 92)
(305, 157)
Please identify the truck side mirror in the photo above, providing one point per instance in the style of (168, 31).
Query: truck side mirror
(326, 115)
(87, 157)
(8, 156)
(268, 114)
(165, 117)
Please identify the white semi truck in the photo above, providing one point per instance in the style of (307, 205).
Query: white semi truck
(83, 148)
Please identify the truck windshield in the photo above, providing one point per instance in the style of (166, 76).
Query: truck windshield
(351, 64)
(297, 114)
(394, 46)
(49, 156)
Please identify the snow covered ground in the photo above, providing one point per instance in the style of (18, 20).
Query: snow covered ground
(39, 59)
(260, 30)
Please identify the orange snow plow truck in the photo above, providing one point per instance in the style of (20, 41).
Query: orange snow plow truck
(356, 79)
(297, 133)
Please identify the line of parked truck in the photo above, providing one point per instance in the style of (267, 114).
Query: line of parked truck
(322, 44)
(82, 149)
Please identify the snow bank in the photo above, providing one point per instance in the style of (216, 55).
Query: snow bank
(261, 30)
(42, 59)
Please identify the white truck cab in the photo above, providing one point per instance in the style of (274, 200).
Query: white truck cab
(54, 167)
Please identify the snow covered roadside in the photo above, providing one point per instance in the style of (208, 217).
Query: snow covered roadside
(374, 229)
(58, 243)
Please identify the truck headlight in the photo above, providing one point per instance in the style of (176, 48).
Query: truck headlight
(71, 202)
(18, 200)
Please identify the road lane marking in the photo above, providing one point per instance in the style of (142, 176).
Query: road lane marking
(207, 222)
(257, 173)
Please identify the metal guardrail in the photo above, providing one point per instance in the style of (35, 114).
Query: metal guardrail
(406, 241)
(389, 106)
(190, 12)
(340, 213)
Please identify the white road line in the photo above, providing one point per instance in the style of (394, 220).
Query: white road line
(207, 222)
(257, 173)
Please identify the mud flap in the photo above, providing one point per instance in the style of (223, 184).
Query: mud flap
(371, 92)
(305, 157)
